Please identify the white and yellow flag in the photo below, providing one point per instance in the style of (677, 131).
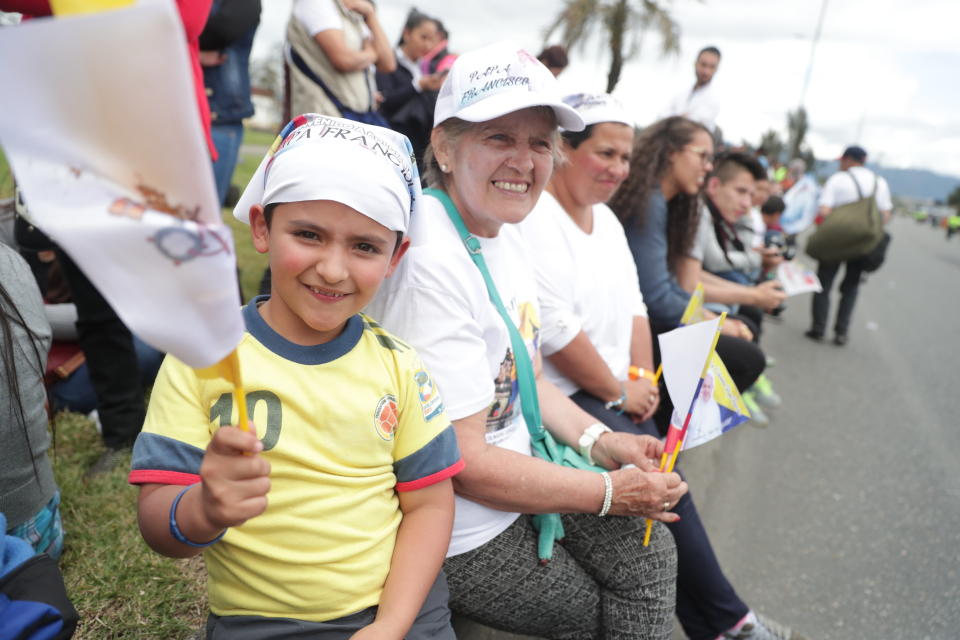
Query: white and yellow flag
(707, 403)
(694, 312)
(101, 129)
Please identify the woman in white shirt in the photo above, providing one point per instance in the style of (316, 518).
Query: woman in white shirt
(597, 339)
(334, 47)
(492, 152)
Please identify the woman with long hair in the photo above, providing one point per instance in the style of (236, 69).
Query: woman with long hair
(492, 152)
(28, 492)
(597, 338)
(659, 207)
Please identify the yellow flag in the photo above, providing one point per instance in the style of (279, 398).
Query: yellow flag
(694, 311)
(69, 7)
(229, 370)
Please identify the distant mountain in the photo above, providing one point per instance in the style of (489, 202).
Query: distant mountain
(912, 183)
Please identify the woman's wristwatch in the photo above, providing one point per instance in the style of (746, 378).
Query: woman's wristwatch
(589, 438)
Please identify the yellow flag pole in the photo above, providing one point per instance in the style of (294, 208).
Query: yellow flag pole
(663, 463)
(229, 369)
(70, 7)
(238, 393)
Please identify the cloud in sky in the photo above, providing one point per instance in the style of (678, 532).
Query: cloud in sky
(884, 68)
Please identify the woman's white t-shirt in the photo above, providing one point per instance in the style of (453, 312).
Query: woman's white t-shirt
(321, 15)
(585, 282)
(437, 301)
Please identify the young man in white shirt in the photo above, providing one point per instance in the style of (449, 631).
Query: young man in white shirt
(700, 103)
(853, 182)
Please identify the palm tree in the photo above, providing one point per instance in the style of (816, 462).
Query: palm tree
(772, 145)
(797, 126)
(623, 24)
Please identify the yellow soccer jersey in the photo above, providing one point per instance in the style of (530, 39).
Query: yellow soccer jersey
(345, 425)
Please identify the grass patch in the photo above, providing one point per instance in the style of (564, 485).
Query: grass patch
(121, 588)
(6, 178)
(258, 137)
(250, 262)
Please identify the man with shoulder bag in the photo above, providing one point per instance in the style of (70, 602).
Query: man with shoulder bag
(855, 205)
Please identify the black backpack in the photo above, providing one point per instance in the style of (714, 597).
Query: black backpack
(34, 603)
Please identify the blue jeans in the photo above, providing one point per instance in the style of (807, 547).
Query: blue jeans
(44, 531)
(227, 139)
(76, 393)
(707, 605)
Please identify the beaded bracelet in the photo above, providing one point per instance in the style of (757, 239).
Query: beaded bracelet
(607, 494)
(619, 402)
(175, 530)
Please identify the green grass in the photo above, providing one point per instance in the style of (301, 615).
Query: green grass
(257, 137)
(6, 178)
(121, 588)
(251, 263)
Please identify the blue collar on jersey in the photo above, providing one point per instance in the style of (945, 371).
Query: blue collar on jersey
(315, 354)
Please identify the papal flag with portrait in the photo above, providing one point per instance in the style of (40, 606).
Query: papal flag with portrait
(100, 126)
(707, 403)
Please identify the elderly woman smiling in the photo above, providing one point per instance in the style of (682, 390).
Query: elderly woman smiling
(493, 151)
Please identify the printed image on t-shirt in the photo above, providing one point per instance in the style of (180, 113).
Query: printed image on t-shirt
(506, 387)
(504, 395)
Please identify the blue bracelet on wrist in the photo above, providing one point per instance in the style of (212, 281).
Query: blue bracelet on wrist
(619, 403)
(175, 530)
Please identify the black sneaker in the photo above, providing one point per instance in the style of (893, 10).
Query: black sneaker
(840, 339)
(106, 463)
(814, 335)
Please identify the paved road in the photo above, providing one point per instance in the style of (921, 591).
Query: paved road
(843, 517)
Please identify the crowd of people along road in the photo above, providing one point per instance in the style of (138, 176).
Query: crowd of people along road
(399, 504)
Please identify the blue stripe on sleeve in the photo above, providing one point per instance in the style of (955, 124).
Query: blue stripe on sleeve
(153, 452)
(440, 453)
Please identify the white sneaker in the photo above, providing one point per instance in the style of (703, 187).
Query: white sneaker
(763, 628)
(94, 417)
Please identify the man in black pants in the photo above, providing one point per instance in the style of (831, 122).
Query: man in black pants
(107, 345)
(853, 182)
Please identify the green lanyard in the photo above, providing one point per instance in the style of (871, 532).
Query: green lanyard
(542, 442)
(529, 403)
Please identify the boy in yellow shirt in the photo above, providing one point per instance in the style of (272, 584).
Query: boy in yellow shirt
(333, 519)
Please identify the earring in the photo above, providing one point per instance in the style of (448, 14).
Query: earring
(444, 168)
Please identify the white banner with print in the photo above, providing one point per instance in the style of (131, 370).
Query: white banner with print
(101, 128)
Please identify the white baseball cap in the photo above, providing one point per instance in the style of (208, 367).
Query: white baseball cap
(496, 80)
(595, 108)
(316, 157)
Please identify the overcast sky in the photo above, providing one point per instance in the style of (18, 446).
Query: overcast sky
(888, 68)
